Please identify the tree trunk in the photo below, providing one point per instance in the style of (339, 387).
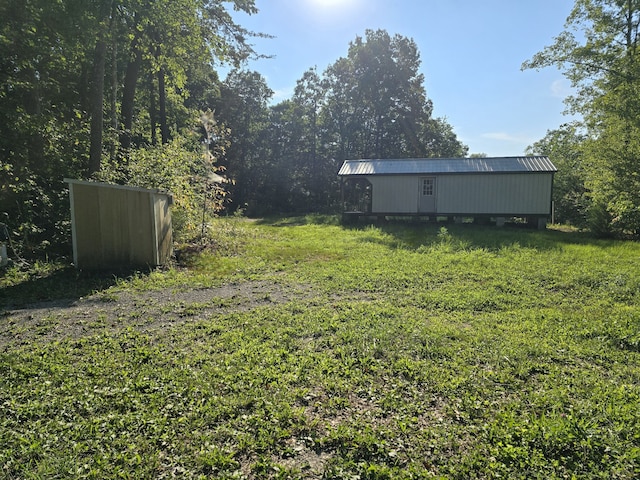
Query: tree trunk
(97, 102)
(153, 111)
(162, 103)
(114, 98)
(128, 95)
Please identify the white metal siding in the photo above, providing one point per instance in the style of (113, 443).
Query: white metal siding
(509, 194)
(472, 194)
(394, 194)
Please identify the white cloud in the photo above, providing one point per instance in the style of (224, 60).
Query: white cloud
(506, 137)
(560, 88)
(282, 94)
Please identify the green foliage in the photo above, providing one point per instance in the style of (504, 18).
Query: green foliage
(37, 212)
(66, 65)
(370, 104)
(598, 53)
(43, 132)
(167, 167)
(564, 146)
(119, 107)
(185, 169)
(513, 354)
(377, 105)
(242, 108)
(600, 220)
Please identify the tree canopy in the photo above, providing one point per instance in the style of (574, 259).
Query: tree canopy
(599, 54)
(128, 105)
(564, 146)
(84, 84)
(369, 104)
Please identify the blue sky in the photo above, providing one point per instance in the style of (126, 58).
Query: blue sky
(471, 53)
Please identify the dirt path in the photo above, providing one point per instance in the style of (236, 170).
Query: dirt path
(148, 310)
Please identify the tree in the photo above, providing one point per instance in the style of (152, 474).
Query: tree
(105, 17)
(243, 108)
(565, 147)
(43, 96)
(287, 183)
(168, 38)
(371, 103)
(313, 166)
(377, 105)
(55, 87)
(598, 52)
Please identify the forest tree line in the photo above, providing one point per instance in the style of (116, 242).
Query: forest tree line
(108, 90)
(128, 91)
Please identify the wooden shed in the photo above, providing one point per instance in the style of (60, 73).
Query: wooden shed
(115, 226)
(498, 187)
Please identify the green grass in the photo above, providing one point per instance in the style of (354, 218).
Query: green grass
(421, 352)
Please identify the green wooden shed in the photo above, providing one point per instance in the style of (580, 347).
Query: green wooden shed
(116, 226)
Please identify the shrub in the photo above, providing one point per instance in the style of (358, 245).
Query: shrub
(181, 168)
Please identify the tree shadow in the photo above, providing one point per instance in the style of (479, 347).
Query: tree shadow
(299, 220)
(409, 233)
(63, 286)
(412, 235)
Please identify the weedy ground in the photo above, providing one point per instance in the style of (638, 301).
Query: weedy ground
(298, 348)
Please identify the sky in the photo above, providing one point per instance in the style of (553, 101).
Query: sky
(471, 52)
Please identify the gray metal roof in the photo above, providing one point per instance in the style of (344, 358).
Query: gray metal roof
(418, 166)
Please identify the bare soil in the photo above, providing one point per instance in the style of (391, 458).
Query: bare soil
(147, 310)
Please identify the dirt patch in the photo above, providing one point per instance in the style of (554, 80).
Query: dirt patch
(148, 310)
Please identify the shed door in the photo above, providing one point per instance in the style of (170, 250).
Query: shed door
(427, 195)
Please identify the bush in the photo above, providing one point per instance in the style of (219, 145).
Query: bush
(625, 214)
(599, 220)
(179, 167)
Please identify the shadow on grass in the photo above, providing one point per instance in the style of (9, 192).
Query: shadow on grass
(410, 234)
(299, 220)
(63, 284)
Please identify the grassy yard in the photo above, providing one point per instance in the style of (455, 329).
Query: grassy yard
(391, 351)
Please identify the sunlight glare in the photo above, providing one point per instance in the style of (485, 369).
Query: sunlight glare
(328, 3)
(328, 6)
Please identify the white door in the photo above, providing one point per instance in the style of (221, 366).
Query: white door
(427, 195)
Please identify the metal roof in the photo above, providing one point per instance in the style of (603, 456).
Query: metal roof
(446, 165)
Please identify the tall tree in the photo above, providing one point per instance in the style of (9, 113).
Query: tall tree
(371, 103)
(377, 103)
(243, 108)
(564, 146)
(105, 20)
(54, 90)
(308, 101)
(44, 78)
(288, 186)
(598, 52)
(165, 39)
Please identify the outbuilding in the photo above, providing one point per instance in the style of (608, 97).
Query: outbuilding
(479, 188)
(118, 226)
